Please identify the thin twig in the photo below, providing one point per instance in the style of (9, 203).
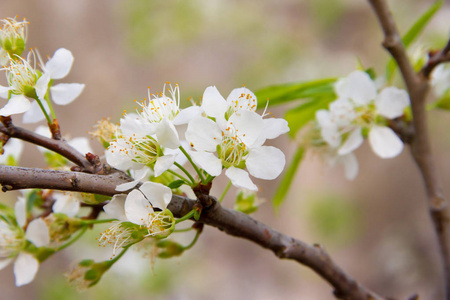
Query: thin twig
(418, 87)
(436, 59)
(230, 221)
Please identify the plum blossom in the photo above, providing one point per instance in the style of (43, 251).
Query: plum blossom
(13, 243)
(238, 144)
(440, 80)
(12, 152)
(360, 107)
(144, 207)
(12, 39)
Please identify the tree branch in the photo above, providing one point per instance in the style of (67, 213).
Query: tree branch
(436, 59)
(232, 222)
(417, 86)
(58, 146)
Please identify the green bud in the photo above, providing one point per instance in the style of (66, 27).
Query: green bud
(246, 202)
(169, 249)
(87, 273)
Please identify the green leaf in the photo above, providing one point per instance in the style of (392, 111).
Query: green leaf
(175, 184)
(443, 102)
(279, 94)
(412, 33)
(305, 112)
(286, 182)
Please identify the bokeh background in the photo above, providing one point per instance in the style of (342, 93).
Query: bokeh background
(376, 227)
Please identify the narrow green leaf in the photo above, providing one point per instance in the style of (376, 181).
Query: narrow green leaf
(412, 33)
(305, 112)
(279, 94)
(176, 184)
(286, 181)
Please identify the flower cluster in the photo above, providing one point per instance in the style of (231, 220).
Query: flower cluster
(361, 110)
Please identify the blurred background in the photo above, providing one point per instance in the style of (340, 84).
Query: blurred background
(377, 228)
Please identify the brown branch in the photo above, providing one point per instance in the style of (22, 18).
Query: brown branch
(58, 146)
(232, 222)
(436, 59)
(417, 85)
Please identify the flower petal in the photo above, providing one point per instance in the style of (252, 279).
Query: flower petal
(187, 114)
(35, 114)
(4, 262)
(265, 162)
(37, 233)
(4, 91)
(249, 127)
(240, 178)
(207, 161)
(167, 134)
(65, 93)
(203, 134)
(158, 194)
(16, 105)
(66, 204)
(60, 64)
(137, 208)
(138, 175)
(274, 127)
(163, 163)
(361, 88)
(81, 144)
(41, 86)
(116, 207)
(25, 268)
(384, 142)
(391, 102)
(353, 141)
(213, 103)
(20, 211)
(242, 98)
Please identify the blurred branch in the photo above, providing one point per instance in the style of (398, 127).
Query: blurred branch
(418, 87)
(58, 146)
(436, 59)
(232, 222)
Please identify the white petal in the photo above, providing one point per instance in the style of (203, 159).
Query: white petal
(249, 127)
(115, 158)
(25, 268)
(13, 148)
(167, 134)
(351, 165)
(16, 105)
(138, 175)
(35, 114)
(4, 262)
(126, 186)
(384, 142)
(163, 163)
(158, 194)
(274, 127)
(353, 141)
(60, 64)
(203, 134)
(207, 161)
(213, 103)
(391, 102)
(361, 88)
(4, 91)
(187, 114)
(240, 178)
(132, 126)
(66, 204)
(137, 208)
(242, 98)
(81, 144)
(20, 211)
(116, 207)
(65, 93)
(41, 86)
(37, 233)
(265, 162)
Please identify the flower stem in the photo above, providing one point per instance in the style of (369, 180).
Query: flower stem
(72, 240)
(49, 121)
(186, 216)
(115, 259)
(197, 234)
(183, 230)
(179, 176)
(225, 191)
(185, 172)
(200, 175)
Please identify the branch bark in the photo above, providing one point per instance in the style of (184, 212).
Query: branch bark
(418, 87)
(231, 222)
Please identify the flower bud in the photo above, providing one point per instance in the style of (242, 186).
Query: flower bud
(168, 248)
(87, 273)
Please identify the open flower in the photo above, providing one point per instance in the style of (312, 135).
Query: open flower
(238, 144)
(62, 94)
(360, 108)
(13, 244)
(12, 152)
(12, 39)
(145, 209)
